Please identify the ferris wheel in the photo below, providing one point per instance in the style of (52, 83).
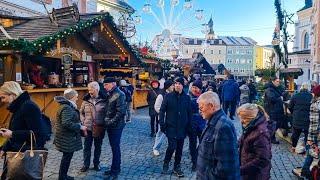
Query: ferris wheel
(173, 17)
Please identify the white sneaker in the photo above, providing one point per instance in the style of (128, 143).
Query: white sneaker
(156, 153)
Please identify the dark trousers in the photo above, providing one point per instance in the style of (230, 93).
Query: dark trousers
(230, 105)
(114, 140)
(88, 140)
(154, 122)
(174, 145)
(296, 134)
(193, 147)
(65, 164)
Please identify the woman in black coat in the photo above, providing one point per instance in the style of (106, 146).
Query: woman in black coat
(26, 117)
(299, 106)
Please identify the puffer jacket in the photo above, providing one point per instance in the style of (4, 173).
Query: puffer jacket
(245, 94)
(255, 150)
(93, 112)
(115, 109)
(67, 136)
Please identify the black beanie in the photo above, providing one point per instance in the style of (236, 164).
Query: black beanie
(197, 83)
(167, 84)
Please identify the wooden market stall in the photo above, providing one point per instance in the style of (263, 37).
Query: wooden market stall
(47, 56)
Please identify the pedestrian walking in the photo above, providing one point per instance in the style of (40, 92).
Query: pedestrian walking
(26, 117)
(244, 93)
(218, 156)
(92, 115)
(151, 99)
(197, 122)
(313, 133)
(230, 96)
(115, 112)
(273, 104)
(124, 87)
(160, 136)
(255, 145)
(253, 91)
(299, 106)
(175, 119)
(68, 126)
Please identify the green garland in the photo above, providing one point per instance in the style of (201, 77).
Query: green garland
(45, 43)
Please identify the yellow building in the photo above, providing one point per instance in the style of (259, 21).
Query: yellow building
(263, 57)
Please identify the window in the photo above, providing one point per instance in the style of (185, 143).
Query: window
(306, 41)
(249, 61)
(229, 51)
(243, 61)
(237, 61)
(249, 52)
(204, 51)
(235, 70)
(194, 50)
(187, 51)
(229, 60)
(219, 51)
(212, 51)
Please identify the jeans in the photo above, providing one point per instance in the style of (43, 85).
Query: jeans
(230, 105)
(160, 137)
(154, 123)
(114, 140)
(174, 145)
(65, 164)
(296, 134)
(88, 140)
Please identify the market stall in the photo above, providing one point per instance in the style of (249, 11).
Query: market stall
(46, 56)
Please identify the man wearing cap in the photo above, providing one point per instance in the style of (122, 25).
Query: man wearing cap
(197, 123)
(115, 112)
(151, 98)
(175, 119)
(160, 136)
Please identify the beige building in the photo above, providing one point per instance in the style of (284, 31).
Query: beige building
(315, 39)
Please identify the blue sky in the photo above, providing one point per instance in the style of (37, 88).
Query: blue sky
(251, 18)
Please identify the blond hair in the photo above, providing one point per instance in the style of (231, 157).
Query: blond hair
(248, 112)
(11, 88)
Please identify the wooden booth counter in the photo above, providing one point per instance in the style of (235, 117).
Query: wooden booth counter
(140, 98)
(44, 98)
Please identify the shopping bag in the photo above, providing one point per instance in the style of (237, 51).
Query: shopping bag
(26, 165)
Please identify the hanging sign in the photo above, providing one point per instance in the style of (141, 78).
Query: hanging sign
(65, 50)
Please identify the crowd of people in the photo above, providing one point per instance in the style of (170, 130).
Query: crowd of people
(203, 111)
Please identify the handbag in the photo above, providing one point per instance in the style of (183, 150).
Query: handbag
(26, 165)
(97, 130)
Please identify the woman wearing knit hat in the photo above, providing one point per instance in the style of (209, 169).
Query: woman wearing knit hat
(255, 145)
(67, 137)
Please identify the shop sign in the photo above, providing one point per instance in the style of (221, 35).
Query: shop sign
(107, 56)
(65, 50)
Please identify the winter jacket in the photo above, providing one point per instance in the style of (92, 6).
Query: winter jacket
(255, 150)
(127, 93)
(314, 120)
(115, 109)
(26, 117)
(151, 99)
(230, 90)
(273, 103)
(253, 92)
(218, 156)
(245, 94)
(67, 136)
(300, 107)
(175, 115)
(198, 123)
(93, 110)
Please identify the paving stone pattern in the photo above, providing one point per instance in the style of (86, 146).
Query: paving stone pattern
(139, 163)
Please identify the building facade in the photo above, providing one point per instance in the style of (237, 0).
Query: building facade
(264, 56)
(301, 55)
(241, 56)
(27, 8)
(315, 38)
(116, 8)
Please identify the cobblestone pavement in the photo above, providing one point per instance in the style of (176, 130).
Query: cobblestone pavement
(139, 163)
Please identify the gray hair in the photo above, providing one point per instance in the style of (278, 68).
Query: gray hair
(305, 86)
(94, 85)
(209, 98)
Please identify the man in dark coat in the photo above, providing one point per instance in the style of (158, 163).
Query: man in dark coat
(253, 91)
(115, 112)
(151, 99)
(300, 108)
(230, 96)
(218, 156)
(273, 104)
(175, 119)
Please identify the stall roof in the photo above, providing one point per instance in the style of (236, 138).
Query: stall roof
(35, 28)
